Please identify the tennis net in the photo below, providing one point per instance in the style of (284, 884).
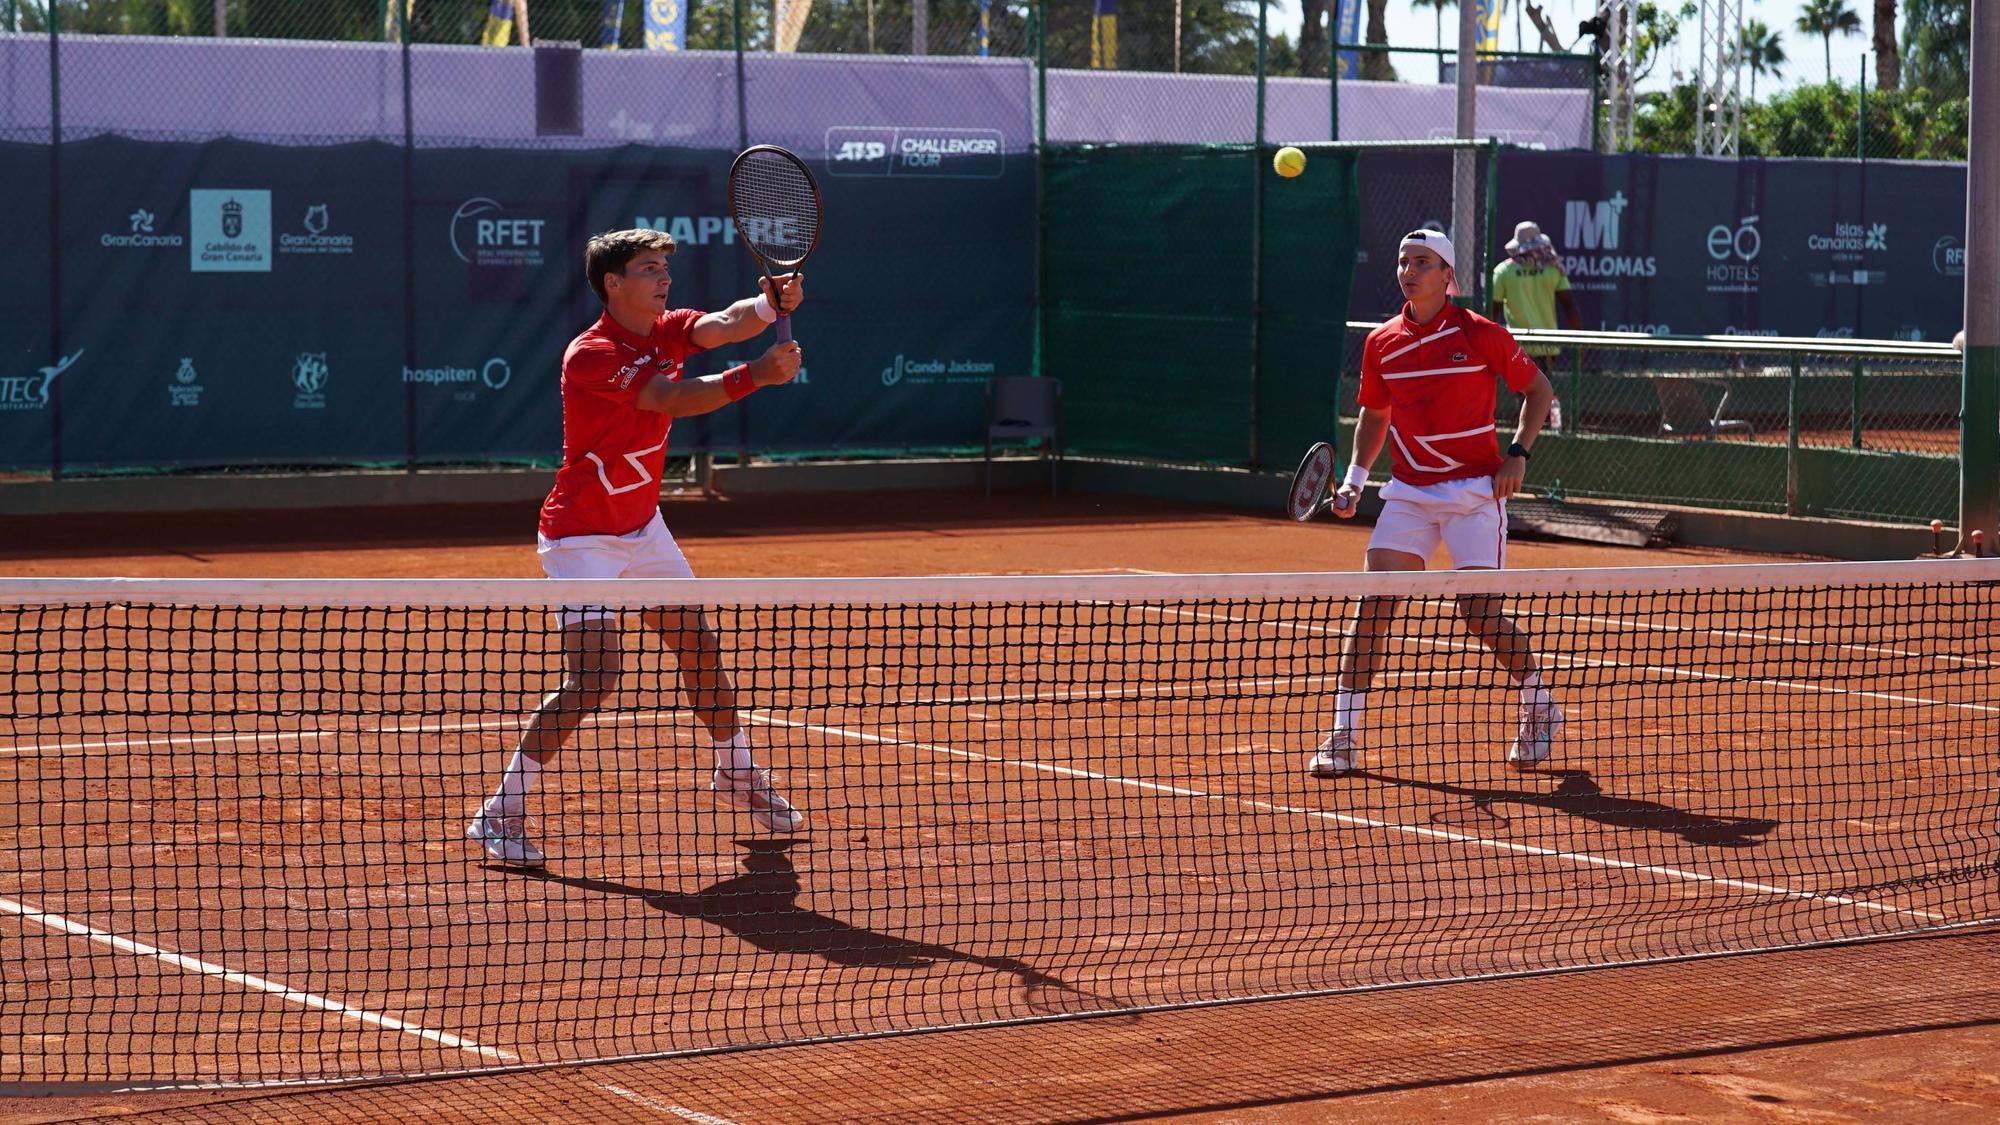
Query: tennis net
(237, 809)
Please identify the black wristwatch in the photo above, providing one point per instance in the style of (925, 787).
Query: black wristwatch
(1518, 450)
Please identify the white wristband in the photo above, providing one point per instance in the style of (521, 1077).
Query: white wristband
(765, 312)
(1357, 477)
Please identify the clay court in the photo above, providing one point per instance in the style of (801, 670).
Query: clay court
(702, 935)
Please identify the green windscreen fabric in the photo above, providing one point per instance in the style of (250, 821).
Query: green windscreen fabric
(1311, 229)
(1150, 255)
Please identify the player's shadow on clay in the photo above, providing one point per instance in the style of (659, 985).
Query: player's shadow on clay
(761, 907)
(1579, 795)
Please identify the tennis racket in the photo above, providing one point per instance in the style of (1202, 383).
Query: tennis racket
(1309, 499)
(775, 204)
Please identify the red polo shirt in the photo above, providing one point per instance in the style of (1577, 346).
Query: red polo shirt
(613, 452)
(1436, 381)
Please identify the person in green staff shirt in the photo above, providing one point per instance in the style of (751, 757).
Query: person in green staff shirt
(1530, 290)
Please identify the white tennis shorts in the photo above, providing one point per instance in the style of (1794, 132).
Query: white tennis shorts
(649, 552)
(1461, 514)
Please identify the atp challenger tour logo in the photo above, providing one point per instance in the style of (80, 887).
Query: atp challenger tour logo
(1593, 230)
(947, 153)
(31, 392)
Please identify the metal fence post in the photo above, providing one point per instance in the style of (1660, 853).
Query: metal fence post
(1257, 237)
(409, 246)
(1792, 440)
(1979, 410)
(1854, 408)
(53, 388)
(1039, 13)
(1573, 408)
(1333, 68)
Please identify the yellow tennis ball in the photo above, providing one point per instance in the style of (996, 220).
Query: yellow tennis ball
(1289, 162)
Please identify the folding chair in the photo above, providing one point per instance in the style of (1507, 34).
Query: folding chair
(1020, 408)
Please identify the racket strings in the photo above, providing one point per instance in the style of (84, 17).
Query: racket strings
(777, 208)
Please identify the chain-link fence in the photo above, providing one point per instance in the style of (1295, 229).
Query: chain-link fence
(1904, 100)
(1806, 428)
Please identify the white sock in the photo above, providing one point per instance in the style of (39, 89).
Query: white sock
(1532, 691)
(515, 785)
(734, 754)
(1348, 706)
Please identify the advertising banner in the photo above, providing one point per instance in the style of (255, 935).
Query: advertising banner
(233, 303)
(1694, 246)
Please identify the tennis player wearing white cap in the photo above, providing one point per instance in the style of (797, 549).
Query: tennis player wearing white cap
(1427, 388)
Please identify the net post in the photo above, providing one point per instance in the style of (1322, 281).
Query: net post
(1979, 425)
(1792, 439)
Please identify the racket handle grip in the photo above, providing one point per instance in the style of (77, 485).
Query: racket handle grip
(784, 329)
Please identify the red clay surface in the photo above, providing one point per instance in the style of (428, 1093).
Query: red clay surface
(862, 918)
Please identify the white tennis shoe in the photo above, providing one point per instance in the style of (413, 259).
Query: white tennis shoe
(753, 791)
(1337, 755)
(505, 838)
(1540, 723)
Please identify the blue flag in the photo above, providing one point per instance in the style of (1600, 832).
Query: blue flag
(499, 24)
(609, 22)
(1347, 29)
(666, 25)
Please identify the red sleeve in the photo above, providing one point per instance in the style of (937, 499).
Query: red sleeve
(675, 331)
(596, 367)
(1374, 389)
(1507, 358)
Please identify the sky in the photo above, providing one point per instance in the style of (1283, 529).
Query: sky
(1411, 26)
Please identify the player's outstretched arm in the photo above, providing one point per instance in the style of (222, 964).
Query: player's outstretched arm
(746, 318)
(778, 364)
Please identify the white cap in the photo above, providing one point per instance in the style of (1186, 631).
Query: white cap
(1437, 243)
(1434, 241)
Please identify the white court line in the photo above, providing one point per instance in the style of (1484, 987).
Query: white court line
(1594, 662)
(193, 738)
(1584, 858)
(669, 1108)
(1780, 638)
(64, 925)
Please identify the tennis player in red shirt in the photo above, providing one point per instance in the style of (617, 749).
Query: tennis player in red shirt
(1427, 388)
(623, 384)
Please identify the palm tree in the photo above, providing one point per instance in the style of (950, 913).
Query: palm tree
(1888, 66)
(1825, 17)
(1437, 8)
(1375, 65)
(1763, 50)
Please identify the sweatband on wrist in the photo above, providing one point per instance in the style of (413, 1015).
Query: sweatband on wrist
(765, 312)
(736, 383)
(1357, 477)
